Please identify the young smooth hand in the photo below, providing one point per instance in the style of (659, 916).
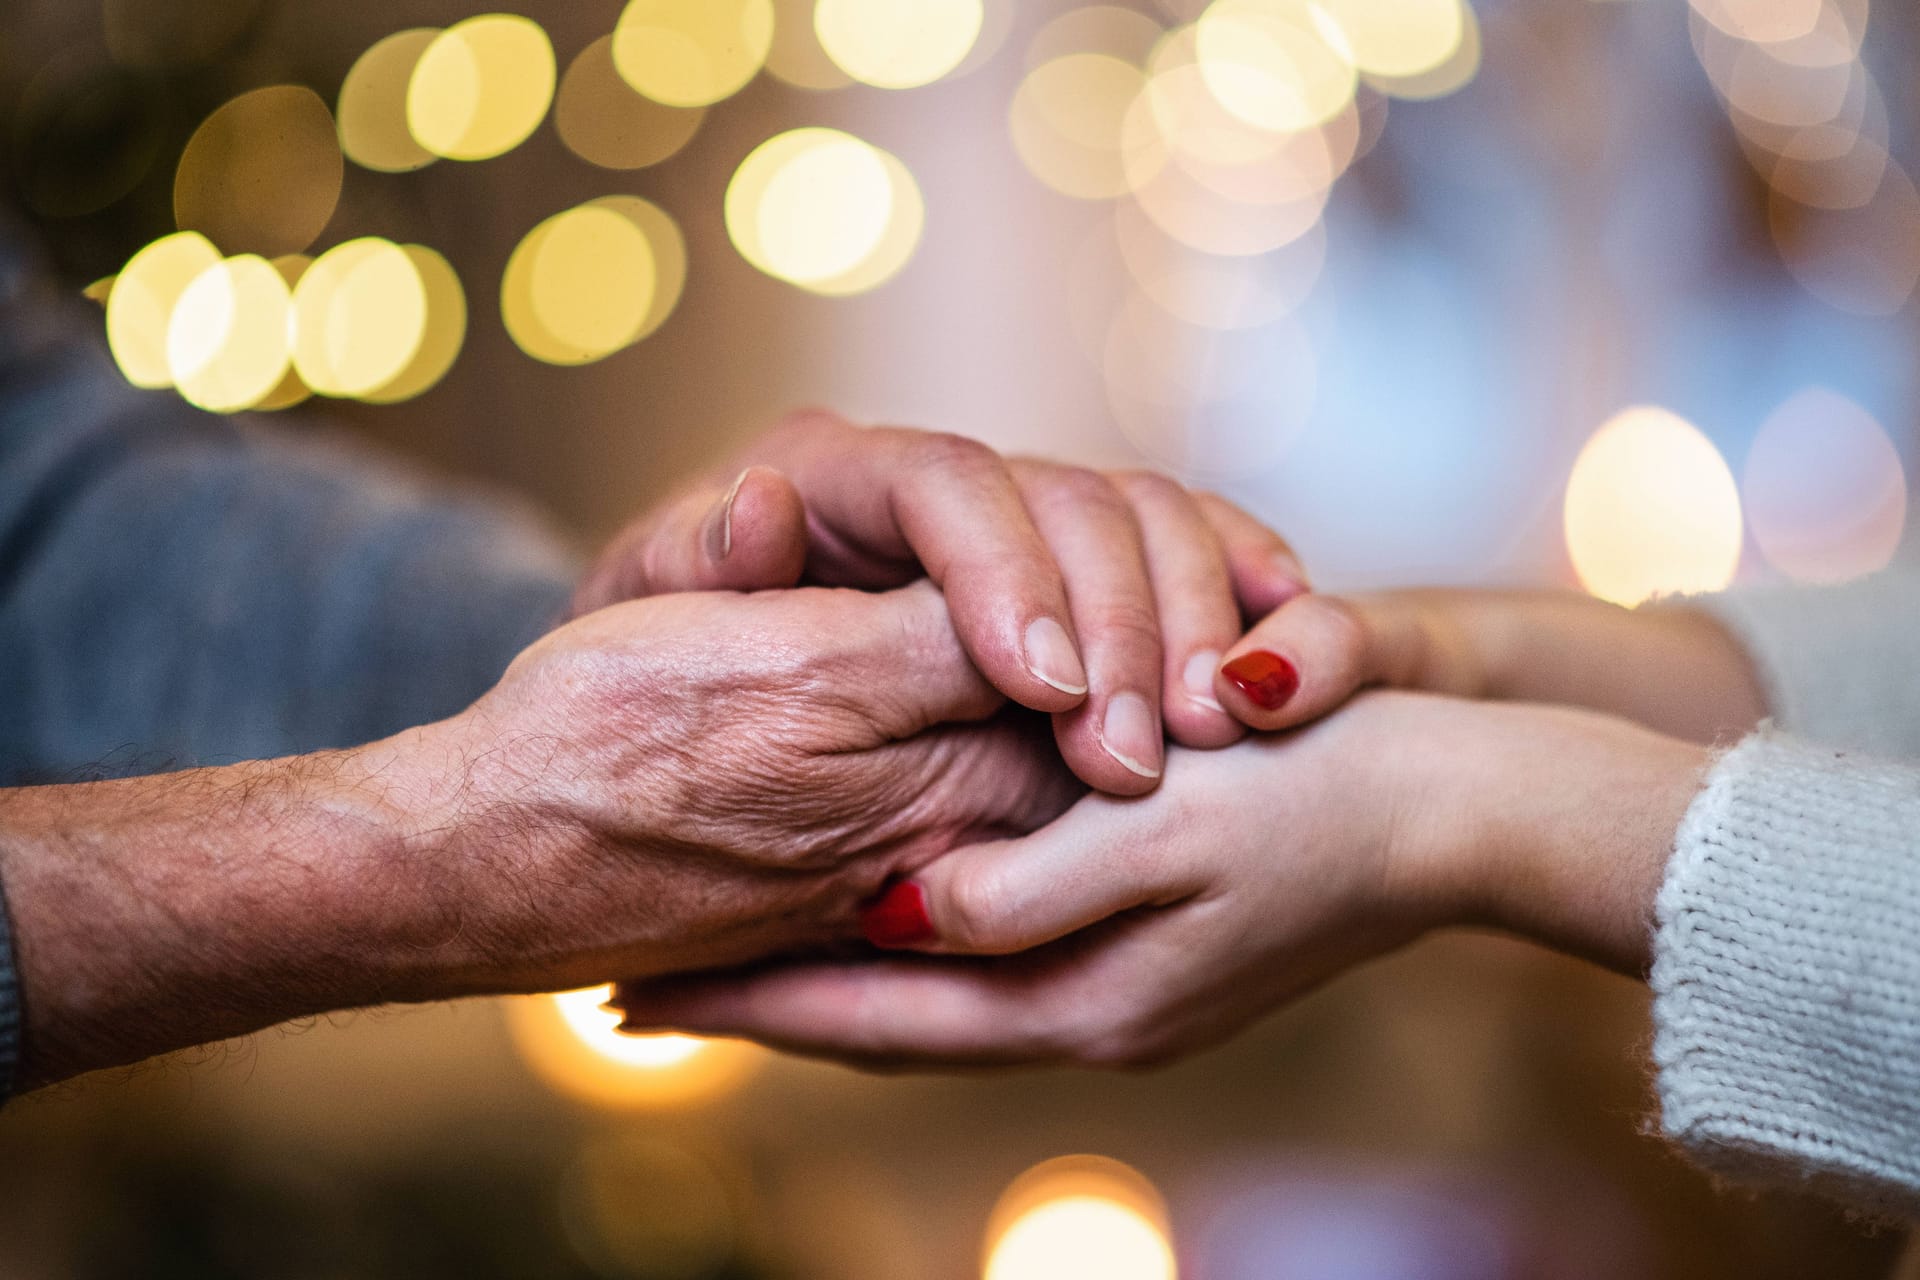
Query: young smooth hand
(1133, 931)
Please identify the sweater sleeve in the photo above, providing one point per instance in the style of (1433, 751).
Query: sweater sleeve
(1786, 975)
(178, 588)
(1838, 665)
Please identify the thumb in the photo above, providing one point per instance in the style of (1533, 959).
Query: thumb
(1003, 896)
(750, 536)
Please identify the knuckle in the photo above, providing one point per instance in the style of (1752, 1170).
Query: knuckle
(1130, 627)
(1342, 623)
(1150, 487)
(1076, 488)
(808, 418)
(945, 451)
(978, 907)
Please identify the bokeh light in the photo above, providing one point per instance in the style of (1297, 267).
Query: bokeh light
(1277, 64)
(1451, 75)
(359, 318)
(575, 1046)
(897, 44)
(605, 122)
(637, 1206)
(446, 329)
(1864, 260)
(1824, 489)
(795, 57)
(824, 210)
(1400, 40)
(1652, 510)
(1214, 292)
(1126, 34)
(262, 174)
(228, 338)
(1079, 1218)
(481, 87)
(669, 255)
(1067, 118)
(692, 53)
(580, 286)
(140, 307)
(292, 390)
(373, 104)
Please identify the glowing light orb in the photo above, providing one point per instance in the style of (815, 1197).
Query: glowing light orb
(1066, 121)
(605, 122)
(481, 87)
(1277, 64)
(359, 318)
(1651, 510)
(1079, 1218)
(262, 174)
(1402, 39)
(227, 340)
(575, 1046)
(1825, 490)
(795, 56)
(897, 44)
(580, 286)
(445, 334)
(669, 255)
(140, 308)
(373, 104)
(692, 53)
(823, 210)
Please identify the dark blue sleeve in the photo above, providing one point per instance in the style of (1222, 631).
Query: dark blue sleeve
(179, 588)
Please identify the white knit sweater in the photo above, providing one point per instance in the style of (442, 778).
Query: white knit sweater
(1787, 939)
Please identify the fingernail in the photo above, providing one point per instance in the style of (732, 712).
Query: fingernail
(719, 527)
(1131, 734)
(899, 918)
(1265, 677)
(1052, 657)
(1198, 678)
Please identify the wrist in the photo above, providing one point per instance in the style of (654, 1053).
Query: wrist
(1557, 825)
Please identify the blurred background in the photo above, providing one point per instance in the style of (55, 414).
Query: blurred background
(1602, 293)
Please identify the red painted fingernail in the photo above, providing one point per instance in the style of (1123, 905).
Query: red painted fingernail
(1266, 678)
(899, 918)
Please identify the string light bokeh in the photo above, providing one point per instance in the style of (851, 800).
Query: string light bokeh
(1361, 265)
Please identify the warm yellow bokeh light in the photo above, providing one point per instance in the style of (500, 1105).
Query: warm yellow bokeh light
(575, 1046)
(604, 121)
(669, 255)
(1401, 39)
(446, 329)
(481, 87)
(359, 318)
(1277, 64)
(795, 57)
(1652, 510)
(292, 390)
(141, 305)
(1126, 34)
(100, 290)
(897, 44)
(1067, 119)
(262, 174)
(824, 210)
(227, 341)
(580, 286)
(691, 53)
(1456, 72)
(1079, 1218)
(373, 104)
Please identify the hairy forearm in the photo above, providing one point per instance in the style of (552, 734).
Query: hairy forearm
(154, 913)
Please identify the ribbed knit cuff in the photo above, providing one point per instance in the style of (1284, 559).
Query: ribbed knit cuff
(9, 1006)
(1786, 975)
(1837, 664)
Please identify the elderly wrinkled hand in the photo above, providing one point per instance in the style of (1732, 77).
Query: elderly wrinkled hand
(1103, 598)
